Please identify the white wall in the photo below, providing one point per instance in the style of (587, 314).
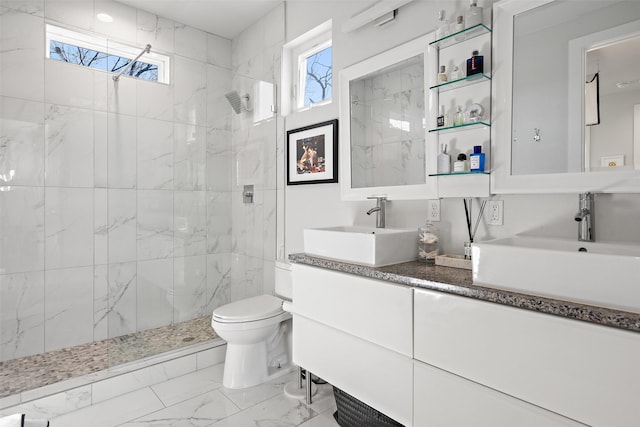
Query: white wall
(320, 205)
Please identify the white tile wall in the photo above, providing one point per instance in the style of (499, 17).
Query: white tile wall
(69, 308)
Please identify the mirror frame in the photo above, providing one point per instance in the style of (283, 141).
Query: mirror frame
(502, 182)
(428, 190)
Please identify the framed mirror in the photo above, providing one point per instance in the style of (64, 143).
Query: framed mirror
(566, 91)
(383, 148)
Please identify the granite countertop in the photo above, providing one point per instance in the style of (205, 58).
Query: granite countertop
(459, 282)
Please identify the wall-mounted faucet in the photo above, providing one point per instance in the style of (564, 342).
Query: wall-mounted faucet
(380, 208)
(585, 218)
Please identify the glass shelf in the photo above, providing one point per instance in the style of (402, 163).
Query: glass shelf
(466, 126)
(460, 36)
(458, 83)
(460, 173)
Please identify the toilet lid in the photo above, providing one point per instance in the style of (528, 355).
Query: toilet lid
(255, 308)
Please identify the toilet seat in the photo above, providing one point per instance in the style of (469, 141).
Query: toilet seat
(249, 309)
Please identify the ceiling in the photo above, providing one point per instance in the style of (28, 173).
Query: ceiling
(225, 18)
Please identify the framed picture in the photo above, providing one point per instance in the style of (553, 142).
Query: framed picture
(312, 154)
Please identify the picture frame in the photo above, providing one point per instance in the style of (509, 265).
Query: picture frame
(312, 154)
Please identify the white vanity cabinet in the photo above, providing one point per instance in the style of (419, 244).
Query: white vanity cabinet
(429, 358)
(582, 371)
(356, 333)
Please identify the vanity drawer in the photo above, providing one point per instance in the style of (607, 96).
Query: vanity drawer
(444, 399)
(379, 377)
(376, 311)
(586, 372)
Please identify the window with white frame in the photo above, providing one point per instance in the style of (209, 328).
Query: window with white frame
(102, 54)
(308, 62)
(315, 69)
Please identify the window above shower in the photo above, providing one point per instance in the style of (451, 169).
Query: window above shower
(102, 54)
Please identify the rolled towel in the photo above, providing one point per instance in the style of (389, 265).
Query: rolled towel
(20, 420)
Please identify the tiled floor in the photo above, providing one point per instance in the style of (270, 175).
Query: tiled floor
(28, 373)
(199, 399)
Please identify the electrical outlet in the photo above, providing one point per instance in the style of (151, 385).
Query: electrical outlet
(496, 208)
(433, 210)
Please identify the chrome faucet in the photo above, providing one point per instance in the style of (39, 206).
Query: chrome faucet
(380, 208)
(586, 226)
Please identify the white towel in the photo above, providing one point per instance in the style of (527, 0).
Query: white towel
(20, 420)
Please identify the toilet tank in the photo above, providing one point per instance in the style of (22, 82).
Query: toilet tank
(283, 286)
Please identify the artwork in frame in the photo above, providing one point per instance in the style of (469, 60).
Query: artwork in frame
(312, 154)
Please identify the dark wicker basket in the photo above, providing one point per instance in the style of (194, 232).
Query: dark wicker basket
(354, 413)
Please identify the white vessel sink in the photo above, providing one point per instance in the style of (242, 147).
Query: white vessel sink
(373, 247)
(607, 274)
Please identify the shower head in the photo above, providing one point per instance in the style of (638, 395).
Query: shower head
(237, 103)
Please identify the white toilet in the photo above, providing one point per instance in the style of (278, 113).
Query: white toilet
(258, 335)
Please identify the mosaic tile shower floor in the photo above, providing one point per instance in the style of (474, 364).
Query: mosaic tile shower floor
(28, 373)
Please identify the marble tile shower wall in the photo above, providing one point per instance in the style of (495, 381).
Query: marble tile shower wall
(115, 201)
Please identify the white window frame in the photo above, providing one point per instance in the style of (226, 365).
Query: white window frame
(294, 57)
(302, 73)
(101, 44)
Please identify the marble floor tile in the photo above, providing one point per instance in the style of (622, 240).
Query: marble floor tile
(251, 396)
(200, 411)
(276, 411)
(112, 412)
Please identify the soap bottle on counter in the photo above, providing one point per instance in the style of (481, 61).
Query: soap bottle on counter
(428, 243)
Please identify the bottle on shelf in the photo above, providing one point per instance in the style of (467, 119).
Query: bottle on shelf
(442, 75)
(476, 160)
(475, 64)
(455, 73)
(443, 26)
(459, 23)
(458, 120)
(461, 165)
(444, 160)
(473, 16)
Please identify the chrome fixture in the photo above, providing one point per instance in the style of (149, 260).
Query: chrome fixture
(585, 217)
(380, 208)
(247, 194)
(146, 49)
(238, 103)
